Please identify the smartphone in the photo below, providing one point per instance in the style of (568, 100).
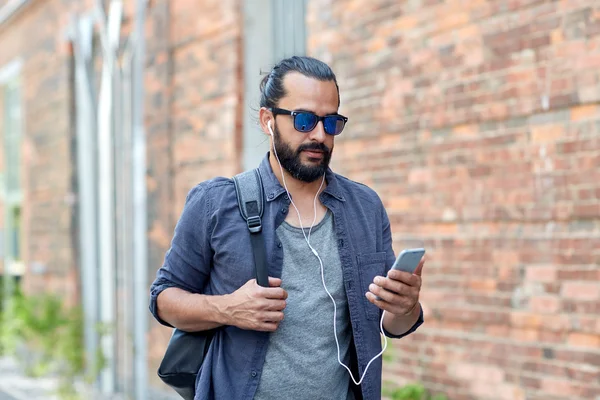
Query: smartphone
(408, 260)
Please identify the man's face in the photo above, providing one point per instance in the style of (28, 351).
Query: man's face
(305, 155)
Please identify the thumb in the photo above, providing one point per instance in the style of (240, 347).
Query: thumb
(419, 268)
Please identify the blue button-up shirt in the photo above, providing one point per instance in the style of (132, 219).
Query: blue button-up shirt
(211, 254)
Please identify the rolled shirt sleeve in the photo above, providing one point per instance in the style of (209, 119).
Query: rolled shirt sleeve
(188, 260)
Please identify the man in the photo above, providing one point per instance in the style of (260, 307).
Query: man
(327, 238)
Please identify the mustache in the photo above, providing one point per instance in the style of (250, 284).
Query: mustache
(314, 146)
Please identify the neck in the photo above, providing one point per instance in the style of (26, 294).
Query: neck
(296, 187)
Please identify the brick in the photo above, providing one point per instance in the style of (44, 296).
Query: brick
(523, 320)
(547, 133)
(584, 340)
(581, 290)
(465, 130)
(399, 203)
(581, 307)
(498, 330)
(588, 162)
(584, 112)
(544, 304)
(558, 387)
(579, 274)
(541, 273)
(488, 285)
(487, 374)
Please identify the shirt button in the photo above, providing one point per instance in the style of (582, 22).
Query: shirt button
(271, 196)
(284, 210)
(254, 374)
(279, 244)
(286, 197)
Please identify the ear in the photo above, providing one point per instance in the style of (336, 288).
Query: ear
(264, 116)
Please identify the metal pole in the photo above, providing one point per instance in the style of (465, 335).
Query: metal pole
(106, 225)
(106, 186)
(121, 304)
(86, 168)
(140, 250)
(124, 215)
(127, 209)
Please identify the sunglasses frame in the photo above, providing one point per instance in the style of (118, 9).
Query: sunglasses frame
(283, 111)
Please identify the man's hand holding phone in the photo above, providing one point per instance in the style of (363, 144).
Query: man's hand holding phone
(398, 293)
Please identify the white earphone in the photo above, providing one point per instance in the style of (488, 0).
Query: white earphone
(314, 251)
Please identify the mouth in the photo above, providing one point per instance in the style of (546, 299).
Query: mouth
(313, 153)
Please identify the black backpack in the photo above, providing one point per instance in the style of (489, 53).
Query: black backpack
(186, 350)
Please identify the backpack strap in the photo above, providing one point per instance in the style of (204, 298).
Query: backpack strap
(250, 196)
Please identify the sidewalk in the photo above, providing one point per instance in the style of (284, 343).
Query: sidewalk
(15, 386)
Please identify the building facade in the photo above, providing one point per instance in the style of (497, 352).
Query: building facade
(478, 123)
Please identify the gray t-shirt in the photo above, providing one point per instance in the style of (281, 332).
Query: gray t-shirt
(301, 360)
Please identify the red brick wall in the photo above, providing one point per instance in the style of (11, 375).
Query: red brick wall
(37, 37)
(194, 115)
(447, 124)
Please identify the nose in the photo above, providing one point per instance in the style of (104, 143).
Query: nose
(318, 134)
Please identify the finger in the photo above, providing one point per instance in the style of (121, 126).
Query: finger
(392, 285)
(272, 316)
(274, 293)
(405, 278)
(274, 282)
(401, 276)
(383, 294)
(268, 327)
(275, 305)
(384, 305)
(419, 269)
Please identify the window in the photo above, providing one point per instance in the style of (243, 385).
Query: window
(11, 137)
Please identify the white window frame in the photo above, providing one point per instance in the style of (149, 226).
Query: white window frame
(10, 74)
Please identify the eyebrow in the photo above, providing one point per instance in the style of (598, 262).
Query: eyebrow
(311, 111)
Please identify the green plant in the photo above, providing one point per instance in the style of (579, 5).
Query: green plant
(414, 391)
(10, 326)
(43, 324)
(50, 336)
(410, 392)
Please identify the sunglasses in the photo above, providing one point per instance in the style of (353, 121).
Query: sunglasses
(306, 121)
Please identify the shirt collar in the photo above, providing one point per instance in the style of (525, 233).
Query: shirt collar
(273, 188)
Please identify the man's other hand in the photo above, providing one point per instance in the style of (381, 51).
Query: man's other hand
(257, 308)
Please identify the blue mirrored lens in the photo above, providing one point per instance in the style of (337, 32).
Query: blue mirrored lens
(333, 125)
(305, 122)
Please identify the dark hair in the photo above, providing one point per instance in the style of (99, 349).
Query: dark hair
(271, 87)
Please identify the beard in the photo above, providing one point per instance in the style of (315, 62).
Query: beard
(291, 162)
